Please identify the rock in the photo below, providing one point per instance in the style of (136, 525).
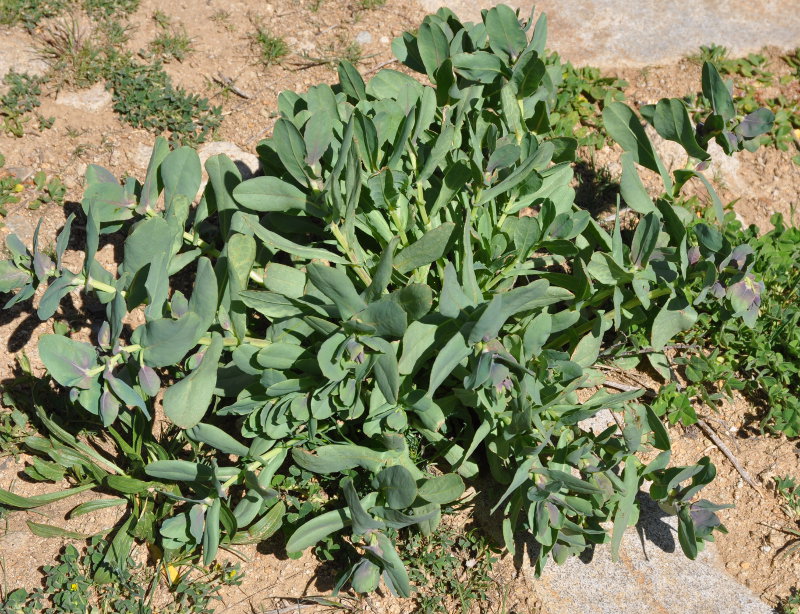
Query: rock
(363, 38)
(652, 576)
(94, 99)
(20, 57)
(616, 33)
(248, 164)
(139, 155)
(597, 423)
(384, 40)
(727, 168)
(20, 225)
(20, 173)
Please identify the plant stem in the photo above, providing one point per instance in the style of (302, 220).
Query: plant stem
(577, 331)
(345, 245)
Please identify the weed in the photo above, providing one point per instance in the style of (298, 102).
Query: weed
(452, 570)
(270, 48)
(369, 5)
(110, 8)
(581, 98)
(162, 19)
(74, 58)
(71, 587)
(35, 191)
(29, 12)
(145, 98)
(789, 491)
(172, 45)
(223, 18)
(19, 101)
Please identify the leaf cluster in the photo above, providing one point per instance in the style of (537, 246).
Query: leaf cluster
(408, 298)
(750, 95)
(19, 101)
(70, 587)
(761, 358)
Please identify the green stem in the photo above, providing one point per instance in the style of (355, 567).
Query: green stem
(577, 331)
(233, 341)
(99, 285)
(345, 245)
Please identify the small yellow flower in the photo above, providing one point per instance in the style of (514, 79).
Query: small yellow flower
(73, 587)
(18, 187)
(231, 574)
(172, 574)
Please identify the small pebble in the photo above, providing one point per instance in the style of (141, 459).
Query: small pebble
(363, 38)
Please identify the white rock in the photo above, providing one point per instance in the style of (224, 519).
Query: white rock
(384, 40)
(363, 38)
(139, 155)
(248, 164)
(94, 99)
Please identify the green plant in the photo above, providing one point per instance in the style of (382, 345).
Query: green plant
(105, 9)
(71, 587)
(761, 359)
(269, 48)
(173, 45)
(162, 19)
(36, 191)
(369, 5)
(145, 97)
(29, 12)
(582, 94)
(789, 491)
(452, 568)
(785, 131)
(21, 98)
(376, 294)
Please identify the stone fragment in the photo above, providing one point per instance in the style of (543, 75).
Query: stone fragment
(94, 99)
(363, 38)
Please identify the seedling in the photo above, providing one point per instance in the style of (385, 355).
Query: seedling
(269, 48)
(172, 45)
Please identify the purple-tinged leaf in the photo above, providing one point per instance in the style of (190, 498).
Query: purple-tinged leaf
(43, 266)
(149, 381)
(739, 256)
(693, 255)
(68, 361)
(109, 407)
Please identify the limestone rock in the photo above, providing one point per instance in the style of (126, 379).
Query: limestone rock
(94, 99)
(248, 164)
(615, 33)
